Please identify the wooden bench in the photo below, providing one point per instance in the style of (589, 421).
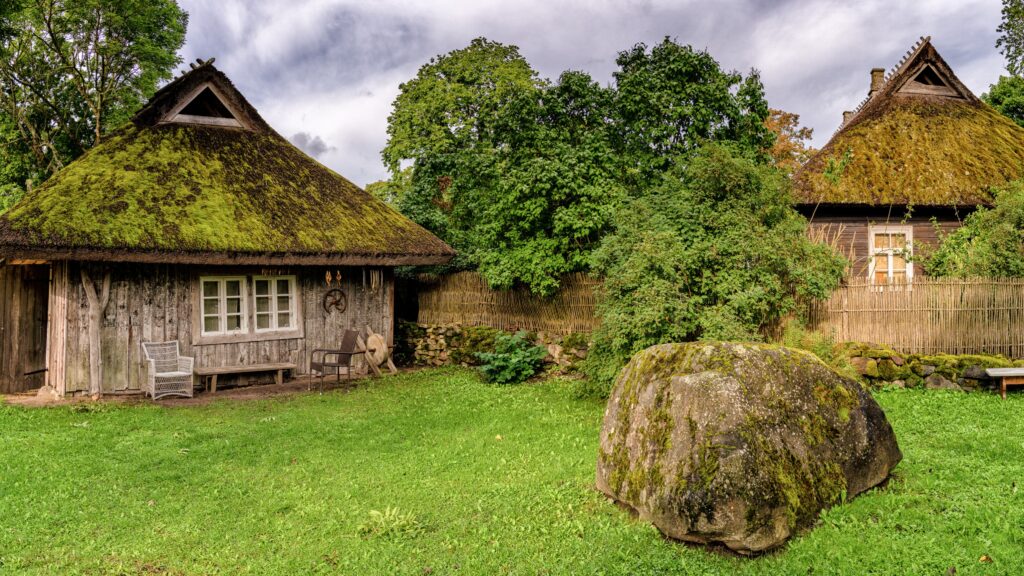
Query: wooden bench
(1007, 377)
(212, 372)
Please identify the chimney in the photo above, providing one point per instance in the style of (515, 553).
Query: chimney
(877, 79)
(846, 116)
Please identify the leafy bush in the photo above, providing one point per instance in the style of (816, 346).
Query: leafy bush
(514, 360)
(391, 523)
(470, 342)
(716, 252)
(990, 243)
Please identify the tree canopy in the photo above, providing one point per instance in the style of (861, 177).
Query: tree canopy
(1011, 36)
(71, 70)
(1007, 96)
(522, 175)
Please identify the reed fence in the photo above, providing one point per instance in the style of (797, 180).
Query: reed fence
(464, 298)
(928, 316)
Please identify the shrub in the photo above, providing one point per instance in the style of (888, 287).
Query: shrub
(990, 243)
(716, 252)
(514, 360)
(470, 342)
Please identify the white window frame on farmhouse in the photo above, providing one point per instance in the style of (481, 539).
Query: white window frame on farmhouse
(221, 299)
(892, 254)
(272, 298)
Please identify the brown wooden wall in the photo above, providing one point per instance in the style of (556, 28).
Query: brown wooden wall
(23, 301)
(154, 303)
(851, 235)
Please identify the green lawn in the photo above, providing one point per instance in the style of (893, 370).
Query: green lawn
(488, 480)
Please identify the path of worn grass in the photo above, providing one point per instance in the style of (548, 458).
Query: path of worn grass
(497, 479)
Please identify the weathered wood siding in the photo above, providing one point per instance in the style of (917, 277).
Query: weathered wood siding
(23, 305)
(850, 232)
(154, 303)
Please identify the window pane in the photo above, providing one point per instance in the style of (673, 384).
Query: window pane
(211, 306)
(899, 262)
(283, 286)
(283, 303)
(211, 324)
(881, 263)
(233, 287)
(209, 288)
(234, 305)
(262, 321)
(881, 277)
(881, 241)
(899, 241)
(262, 287)
(284, 320)
(262, 304)
(234, 323)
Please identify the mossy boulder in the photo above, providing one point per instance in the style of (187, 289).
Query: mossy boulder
(739, 444)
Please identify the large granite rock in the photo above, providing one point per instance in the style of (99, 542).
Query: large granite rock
(739, 444)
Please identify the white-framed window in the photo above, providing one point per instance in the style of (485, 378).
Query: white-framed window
(223, 305)
(275, 299)
(891, 248)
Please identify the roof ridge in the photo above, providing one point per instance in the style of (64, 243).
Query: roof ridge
(921, 43)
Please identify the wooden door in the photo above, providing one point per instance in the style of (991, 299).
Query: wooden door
(24, 295)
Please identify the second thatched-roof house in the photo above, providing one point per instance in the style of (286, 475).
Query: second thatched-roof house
(919, 154)
(194, 223)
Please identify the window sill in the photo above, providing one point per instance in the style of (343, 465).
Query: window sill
(199, 340)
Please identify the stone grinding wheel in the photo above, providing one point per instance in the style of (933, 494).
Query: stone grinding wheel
(377, 352)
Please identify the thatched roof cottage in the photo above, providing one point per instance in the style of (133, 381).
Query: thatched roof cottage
(195, 222)
(920, 148)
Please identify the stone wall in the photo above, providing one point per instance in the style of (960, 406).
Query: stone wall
(457, 345)
(880, 366)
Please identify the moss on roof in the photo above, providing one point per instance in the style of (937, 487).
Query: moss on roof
(916, 145)
(193, 189)
(915, 151)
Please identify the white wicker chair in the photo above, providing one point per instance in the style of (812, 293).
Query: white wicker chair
(169, 373)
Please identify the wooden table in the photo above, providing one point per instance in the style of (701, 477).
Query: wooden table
(1007, 377)
(212, 372)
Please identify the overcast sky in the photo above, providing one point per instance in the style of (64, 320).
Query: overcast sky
(324, 72)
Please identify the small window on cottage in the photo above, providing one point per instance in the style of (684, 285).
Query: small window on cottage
(275, 302)
(223, 306)
(890, 254)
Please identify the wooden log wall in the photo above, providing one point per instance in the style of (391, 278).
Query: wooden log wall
(154, 303)
(849, 235)
(928, 316)
(23, 306)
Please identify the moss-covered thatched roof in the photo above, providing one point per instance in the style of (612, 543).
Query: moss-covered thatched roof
(163, 191)
(922, 138)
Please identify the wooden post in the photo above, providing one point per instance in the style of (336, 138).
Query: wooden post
(97, 304)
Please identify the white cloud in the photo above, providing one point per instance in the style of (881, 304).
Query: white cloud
(331, 68)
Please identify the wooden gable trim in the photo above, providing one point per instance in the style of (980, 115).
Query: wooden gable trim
(175, 115)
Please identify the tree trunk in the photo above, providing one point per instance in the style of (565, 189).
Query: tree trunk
(97, 304)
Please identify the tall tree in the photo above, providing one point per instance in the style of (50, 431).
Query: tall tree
(790, 149)
(1011, 36)
(70, 70)
(671, 99)
(516, 173)
(455, 123)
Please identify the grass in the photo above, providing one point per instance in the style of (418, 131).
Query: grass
(436, 473)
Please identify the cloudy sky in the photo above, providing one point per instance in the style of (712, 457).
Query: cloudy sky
(325, 72)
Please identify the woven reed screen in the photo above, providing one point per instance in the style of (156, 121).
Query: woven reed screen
(928, 316)
(464, 298)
